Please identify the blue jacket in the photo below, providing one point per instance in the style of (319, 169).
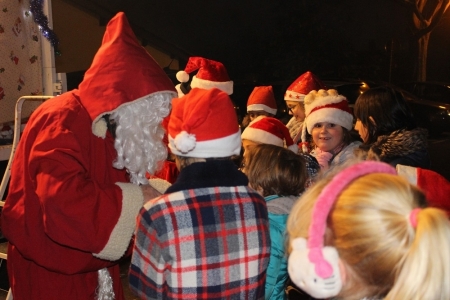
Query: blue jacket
(278, 208)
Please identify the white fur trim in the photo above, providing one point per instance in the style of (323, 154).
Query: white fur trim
(294, 96)
(119, 240)
(223, 147)
(407, 172)
(259, 107)
(185, 142)
(182, 76)
(225, 86)
(261, 136)
(329, 115)
(99, 128)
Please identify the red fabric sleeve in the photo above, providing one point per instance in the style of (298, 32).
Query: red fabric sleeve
(436, 187)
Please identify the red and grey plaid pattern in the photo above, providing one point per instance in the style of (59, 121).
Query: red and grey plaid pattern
(208, 243)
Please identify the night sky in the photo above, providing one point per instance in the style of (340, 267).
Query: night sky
(264, 41)
(274, 40)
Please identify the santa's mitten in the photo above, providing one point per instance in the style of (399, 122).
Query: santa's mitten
(323, 158)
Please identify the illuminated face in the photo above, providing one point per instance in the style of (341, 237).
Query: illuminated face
(362, 130)
(327, 136)
(296, 109)
(247, 145)
(254, 114)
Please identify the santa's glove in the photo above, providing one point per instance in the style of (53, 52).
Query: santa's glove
(323, 158)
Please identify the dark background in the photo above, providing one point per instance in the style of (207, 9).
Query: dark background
(263, 42)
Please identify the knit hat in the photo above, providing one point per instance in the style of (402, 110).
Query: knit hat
(262, 98)
(302, 86)
(211, 74)
(204, 124)
(268, 130)
(326, 106)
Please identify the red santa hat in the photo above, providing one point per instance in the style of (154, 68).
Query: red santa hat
(268, 130)
(211, 74)
(262, 98)
(204, 124)
(435, 186)
(326, 106)
(122, 72)
(302, 86)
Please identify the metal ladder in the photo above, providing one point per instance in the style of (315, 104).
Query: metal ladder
(15, 142)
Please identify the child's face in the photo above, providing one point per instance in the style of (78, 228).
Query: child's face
(254, 114)
(362, 130)
(247, 145)
(296, 109)
(327, 136)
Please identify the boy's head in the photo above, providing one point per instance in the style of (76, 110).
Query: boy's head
(261, 102)
(210, 74)
(273, 170)
(267, 130)
(203, 124)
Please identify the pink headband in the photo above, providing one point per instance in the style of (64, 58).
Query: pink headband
(325, 202)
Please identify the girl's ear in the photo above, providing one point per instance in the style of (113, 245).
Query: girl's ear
(372, 121)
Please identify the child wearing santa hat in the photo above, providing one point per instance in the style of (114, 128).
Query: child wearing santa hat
(261, 102)
(197, 227)
(329, 121)
(267, 130)
(210, 74)
(294, 98)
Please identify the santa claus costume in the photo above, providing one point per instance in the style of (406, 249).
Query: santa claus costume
(70, 215)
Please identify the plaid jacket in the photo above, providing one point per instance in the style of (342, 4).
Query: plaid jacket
(208, 242)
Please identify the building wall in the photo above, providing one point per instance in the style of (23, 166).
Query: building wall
(80, 36)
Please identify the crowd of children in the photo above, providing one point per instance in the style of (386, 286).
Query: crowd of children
(325, 196)
(307, 206)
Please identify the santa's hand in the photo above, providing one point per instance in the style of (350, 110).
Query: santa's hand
(323, 158)
(149, 192)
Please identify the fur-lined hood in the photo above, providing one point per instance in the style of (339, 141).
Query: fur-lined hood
(399, 143)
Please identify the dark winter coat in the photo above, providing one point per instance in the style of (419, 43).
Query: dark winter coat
(405, 147)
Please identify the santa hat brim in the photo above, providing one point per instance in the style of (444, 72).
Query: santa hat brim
(222, 147)
(294, 96)
(261, 136)
(259, 107)
(329, 115)
(225, 86)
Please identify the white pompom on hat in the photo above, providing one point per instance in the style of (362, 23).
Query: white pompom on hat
(302, 86)
(211, 74)
(204, 124)
(268, 130)
(262, 99)
(326, 106)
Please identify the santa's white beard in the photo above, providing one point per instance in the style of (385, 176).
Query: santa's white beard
(139, 136)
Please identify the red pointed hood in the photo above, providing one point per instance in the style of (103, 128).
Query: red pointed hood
(122, 72)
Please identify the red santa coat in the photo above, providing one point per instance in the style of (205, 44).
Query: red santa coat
(69, 213)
